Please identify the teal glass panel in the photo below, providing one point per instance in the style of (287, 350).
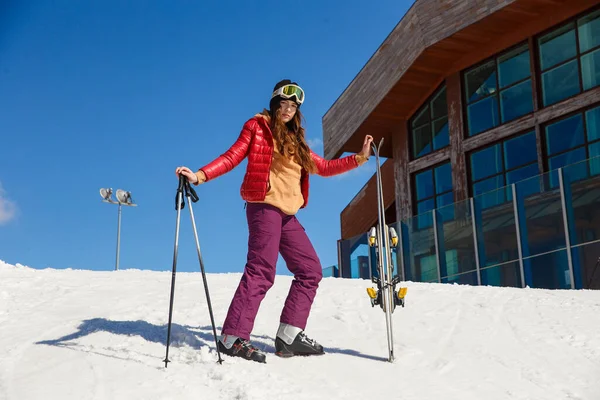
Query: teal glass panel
(497, 235)
(421, 248)
(576, 172)
(486, 162)
(457, 237)
(549, 271)
(441, 137)
(330, 272)
(594, 154)
(443, 178)
(516, 101)
(506, 275)
(424, 184)
(481, 82)
(568, 158)
(583, 198)
(444, 200)
(439, 105)
(426, 205)
(468, 278)
(590, 69)
(513, 66)
(565, 134)
(522, 173)
(589, 31)
(584, 260)
(557, 46)
(421, 138)
(423, 218)
(483, 115)
(544, 226)
(520, 150)
(592, 120)
(359, 262)
(560, 82)
(487, 189)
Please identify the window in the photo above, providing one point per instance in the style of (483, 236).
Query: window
(429, 126)
(433, 188)
(569, 59)
(498, 91)
(573, 139)
(502, 164)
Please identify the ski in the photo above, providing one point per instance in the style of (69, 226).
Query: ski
(383, 239)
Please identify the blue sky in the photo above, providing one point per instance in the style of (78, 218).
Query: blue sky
(118, 94)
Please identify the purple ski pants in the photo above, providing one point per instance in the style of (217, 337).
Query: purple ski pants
(271, 232)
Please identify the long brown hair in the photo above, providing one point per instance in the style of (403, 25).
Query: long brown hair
(289, 137)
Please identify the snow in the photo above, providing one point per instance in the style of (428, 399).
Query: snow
(75, 334)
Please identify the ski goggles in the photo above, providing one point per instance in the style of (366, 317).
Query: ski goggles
(288, 91)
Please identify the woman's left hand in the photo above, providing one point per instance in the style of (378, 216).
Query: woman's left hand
(366, 149)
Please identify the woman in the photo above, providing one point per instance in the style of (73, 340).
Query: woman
(275, 187)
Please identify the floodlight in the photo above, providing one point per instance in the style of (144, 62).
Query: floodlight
(105, 193)
(123, 196)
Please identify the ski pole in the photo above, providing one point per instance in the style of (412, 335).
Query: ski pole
(179, 204)
(189, 191)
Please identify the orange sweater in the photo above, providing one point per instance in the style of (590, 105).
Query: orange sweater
(284, 184)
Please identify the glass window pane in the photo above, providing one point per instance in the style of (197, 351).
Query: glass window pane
(522, 173)
(425, 206)
(589, 31)
(482, 115)
(520, 150)
(557, 46)
(575, 172)
(421, 141)
(592, 119)
(513, 66)
(549, 271)
(424, 184)
(446, 213)
(421, 118)
(516, 101)
(496, 230)
(590, 69)
(594, 158)
(481, 81)
(560, 82)
(439, 106)
(441, 137)
(508, 275)
(585, 213)
(486, 162)
(445, 199)
(443, 178)
(489, 185)
(564, 135)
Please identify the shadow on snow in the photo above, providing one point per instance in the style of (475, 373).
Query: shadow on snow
(181, 335)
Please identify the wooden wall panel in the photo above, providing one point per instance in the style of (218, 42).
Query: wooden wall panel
(401, 173)
(455, 127)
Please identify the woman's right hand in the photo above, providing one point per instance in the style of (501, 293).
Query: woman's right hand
(192, 177)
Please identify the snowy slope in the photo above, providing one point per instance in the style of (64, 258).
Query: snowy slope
(68, 334)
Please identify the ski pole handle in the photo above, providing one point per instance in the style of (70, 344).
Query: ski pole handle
(182, 183)
(189, 191)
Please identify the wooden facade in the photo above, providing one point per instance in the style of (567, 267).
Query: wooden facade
(433, 44)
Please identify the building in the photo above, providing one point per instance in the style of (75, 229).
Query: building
(490, 114)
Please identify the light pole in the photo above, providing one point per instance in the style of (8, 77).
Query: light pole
(123, 198)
